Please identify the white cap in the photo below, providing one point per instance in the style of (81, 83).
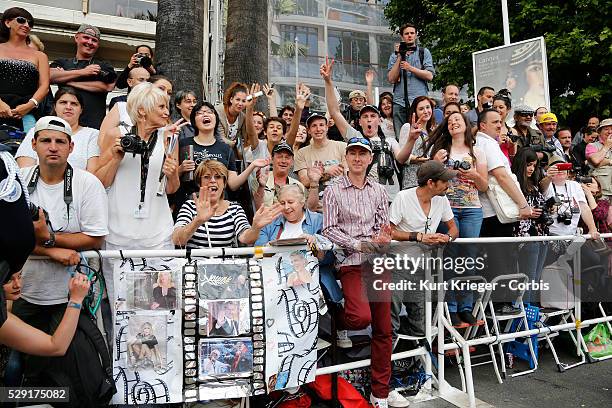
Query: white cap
(53, 123)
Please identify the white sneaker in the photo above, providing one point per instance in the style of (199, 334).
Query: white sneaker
(397, 400)
(378, 402)
(343, 340)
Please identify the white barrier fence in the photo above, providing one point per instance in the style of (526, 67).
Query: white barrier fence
(460, 398)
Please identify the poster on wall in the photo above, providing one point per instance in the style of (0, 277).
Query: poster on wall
(148, 350)
(519, 67)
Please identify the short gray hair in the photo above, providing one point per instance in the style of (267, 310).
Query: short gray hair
(146, 96)
(295, 188)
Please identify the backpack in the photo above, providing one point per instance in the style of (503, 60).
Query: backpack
(85, 368)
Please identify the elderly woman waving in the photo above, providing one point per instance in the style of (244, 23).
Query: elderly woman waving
(210, 221)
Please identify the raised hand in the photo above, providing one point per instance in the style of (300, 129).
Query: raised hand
(315, 172)
(369, 76)
(415, 128)
(268, 91)
(205, 210)
(255, 87)
(265, 215)
(302, 93)
(326, 69)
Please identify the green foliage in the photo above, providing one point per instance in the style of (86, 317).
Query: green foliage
(578, 42)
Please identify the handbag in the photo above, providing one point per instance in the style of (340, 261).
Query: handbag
(506, 209)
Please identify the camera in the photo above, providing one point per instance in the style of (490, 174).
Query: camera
(583, 179)
(405, 47)
(546, 207)
(487, 106)
(34, 212)
(133, 144)
(460, 164)
(542, 148)
(144, 60)
(564, 218)
(385, 163)
(513, 137)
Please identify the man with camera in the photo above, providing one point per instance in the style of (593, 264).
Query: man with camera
(410, 69)
(69, 210)
(93, 78)
(484, 101)
(548, 126)
(143, 57)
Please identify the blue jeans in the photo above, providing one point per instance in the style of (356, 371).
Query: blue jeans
(531, 262)
(468, 221)
(399, 118)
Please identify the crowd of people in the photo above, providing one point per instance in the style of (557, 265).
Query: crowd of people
(161, 172)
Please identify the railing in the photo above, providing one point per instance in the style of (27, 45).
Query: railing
(136, 9)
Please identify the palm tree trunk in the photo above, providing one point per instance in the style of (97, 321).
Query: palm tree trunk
(246, 44)
(179, 41)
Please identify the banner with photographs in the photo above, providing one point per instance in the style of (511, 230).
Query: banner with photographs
(147, 355)
(292, 305)
(519, 67)
(223, 323)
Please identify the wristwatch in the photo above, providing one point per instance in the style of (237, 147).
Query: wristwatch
(50, 243)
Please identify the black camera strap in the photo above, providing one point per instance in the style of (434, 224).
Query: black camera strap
(68, 177)
(144, 167)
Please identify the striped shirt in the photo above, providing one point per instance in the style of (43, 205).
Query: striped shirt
(220, 231)
(352, 214)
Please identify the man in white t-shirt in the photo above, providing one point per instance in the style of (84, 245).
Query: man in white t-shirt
(415, 216)
(500, 257)
(75, 203)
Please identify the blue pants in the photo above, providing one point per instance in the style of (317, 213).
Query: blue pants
(531, 262)
(468, 221)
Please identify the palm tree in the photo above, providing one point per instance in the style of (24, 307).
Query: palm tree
(246, 44)
(179, 41)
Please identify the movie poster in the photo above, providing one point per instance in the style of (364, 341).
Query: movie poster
(520, 67)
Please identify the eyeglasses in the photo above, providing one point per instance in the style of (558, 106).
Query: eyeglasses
(23, 20)
(359, 140)
(525, 114)
(209, 177)
(204, 111)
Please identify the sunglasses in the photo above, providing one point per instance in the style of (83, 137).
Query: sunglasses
(23, 20)
(359, 140)
(204, 111)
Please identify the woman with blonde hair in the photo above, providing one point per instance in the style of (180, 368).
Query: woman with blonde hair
(164, 293)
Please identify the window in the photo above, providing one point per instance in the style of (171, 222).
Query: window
(65, 4)
(136, 9)
(349, 46)
(307, 38)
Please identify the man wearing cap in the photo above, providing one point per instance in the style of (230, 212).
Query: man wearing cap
(268, 183)
(416, 68)
(523, 116)
(599, 156)
(548, 126)
(386, 149)
(74, 219)
(93, 78)
(322, 153)
(415, 215)
(355, 218)
(357, 100)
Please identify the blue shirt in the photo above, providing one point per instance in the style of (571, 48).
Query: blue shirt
(416, 86)
(313, 224)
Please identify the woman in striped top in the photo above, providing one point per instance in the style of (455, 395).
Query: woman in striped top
(210, 221)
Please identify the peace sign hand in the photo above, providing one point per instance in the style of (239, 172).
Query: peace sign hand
(326, 69)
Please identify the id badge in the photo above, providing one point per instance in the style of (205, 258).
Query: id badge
(141, 212)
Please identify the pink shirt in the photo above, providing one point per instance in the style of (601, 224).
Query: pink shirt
(352, 214)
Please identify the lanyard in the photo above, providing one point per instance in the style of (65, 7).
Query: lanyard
(144, 167)
(68, 174)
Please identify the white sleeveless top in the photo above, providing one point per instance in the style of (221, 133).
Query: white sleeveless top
(123, 113)
(155, 223)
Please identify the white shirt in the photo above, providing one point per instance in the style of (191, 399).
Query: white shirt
(495, 158)
(292, 229)
(571, 194)
(45, 282)
(85, 147)
(407, 214)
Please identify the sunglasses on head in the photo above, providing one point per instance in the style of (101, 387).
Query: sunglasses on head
(23, 20)
(359, 140)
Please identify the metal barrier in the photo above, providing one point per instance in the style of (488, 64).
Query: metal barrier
(447, 392)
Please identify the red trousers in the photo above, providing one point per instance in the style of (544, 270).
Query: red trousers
(364, 305)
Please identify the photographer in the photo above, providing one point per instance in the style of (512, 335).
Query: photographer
(527, 136)
(410, 69)
(70, 214)
(143, 57)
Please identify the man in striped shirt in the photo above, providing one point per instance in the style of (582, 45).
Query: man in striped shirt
(356, 218)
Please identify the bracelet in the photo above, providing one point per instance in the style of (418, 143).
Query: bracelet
(450, 238)
(74, 305)
(34, 101)
(412, 236)
(420, 240)
(523, 207)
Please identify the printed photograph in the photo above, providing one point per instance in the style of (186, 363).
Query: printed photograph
(223, 281)
(227, 317)
(147, 343)
(152, 290)
(231, 358)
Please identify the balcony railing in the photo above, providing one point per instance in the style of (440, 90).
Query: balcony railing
(65, 4)
(136, 9)
(348, 11)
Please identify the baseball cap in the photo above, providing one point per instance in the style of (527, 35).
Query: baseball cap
(604, 123)
(89, 30)
(548, 117)
(359, 142)
(280, 147)
(524, 109)
(53, 123)
(554, 159)
(356, 94)
(369, 108)
(315, 116)
(433, 169)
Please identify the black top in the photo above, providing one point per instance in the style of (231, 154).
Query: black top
(18, 83)
(95, 102)
(113, 101)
